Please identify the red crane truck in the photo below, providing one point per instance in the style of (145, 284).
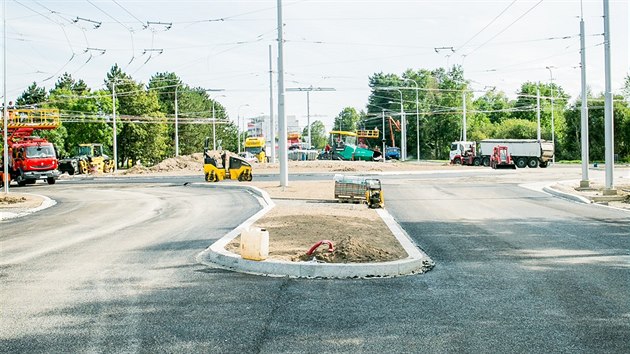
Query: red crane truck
(30, 157)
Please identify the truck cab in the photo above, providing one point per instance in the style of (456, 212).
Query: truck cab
(464, 153)
(33, 158)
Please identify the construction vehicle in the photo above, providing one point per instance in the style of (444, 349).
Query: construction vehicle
(344, 147)
(256, 147)
(363, 135)
(501, 158)
(89, 158)
(374, 193)
(217, 168)
(525, 152)
(30, 157)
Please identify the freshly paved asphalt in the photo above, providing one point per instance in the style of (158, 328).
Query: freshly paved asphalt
(112, 268)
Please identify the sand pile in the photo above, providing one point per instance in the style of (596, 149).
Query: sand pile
(350, 250)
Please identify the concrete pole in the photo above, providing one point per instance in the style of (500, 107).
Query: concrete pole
(464, 116)
(608, 107)
(272, 126)
(584, 183)
(115, 147)
(308, 116)
(5, 111)
(383, 140)
(538, 111)
(214, 129)
(403, 130)
(553, 127)
(176, 126)
(282, 122)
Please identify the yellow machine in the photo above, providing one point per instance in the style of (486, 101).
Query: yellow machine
(374, 193)
(89, 159)
(218, 168)
(256, 147)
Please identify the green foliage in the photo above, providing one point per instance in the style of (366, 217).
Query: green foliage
(318, 134)
(347, 120)
(515, 128)
(32, 96)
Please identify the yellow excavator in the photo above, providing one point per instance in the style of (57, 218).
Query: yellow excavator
(217, 167)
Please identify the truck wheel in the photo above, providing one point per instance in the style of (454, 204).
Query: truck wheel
(544, 164)
(51, 180)
(476, 161)
(457, 161)
(532, 163)
(521, 162)
(486, 161)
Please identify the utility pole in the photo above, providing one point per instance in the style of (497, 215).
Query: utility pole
(609, 151)
(282, 122)
(272, 127)
(308, 104)
(584, 183)
(115, 148)
(538, 111)
(464, 116)
(417, 121)
(176, 125)
(553, 128)
(383, 140)
(5, 111)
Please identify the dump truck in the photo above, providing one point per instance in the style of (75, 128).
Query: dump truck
(31, 158)
(88, 158)
(525, 152)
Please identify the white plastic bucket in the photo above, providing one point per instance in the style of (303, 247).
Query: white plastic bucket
(255, 244)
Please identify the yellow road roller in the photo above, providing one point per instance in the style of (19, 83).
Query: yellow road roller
(217, 167)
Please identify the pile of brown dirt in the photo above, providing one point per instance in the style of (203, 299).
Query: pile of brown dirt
(9, 199)
(192, 162)
(349, 250)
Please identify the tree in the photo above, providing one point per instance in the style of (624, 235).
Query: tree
(143, 140)
(347, 120)
(514, 128)
(32, 96)
(318, 134)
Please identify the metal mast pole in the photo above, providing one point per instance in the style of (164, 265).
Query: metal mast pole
(538, 111)
(383, 151)
(553, 127)
(115, 148)
(176, 126)
(214, 129)
(464, 116)
(584, 183)
(272, 126)
(608, 107)
(308, 116)
(5, 111)
(282, 122)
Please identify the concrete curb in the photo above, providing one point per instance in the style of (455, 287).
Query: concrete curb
(47, 203)
(569, 196)
(417, 262)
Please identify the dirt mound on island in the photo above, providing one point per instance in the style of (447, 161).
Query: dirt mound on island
(350, 250)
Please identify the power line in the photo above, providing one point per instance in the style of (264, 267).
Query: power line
(506, 28)
(486, 26)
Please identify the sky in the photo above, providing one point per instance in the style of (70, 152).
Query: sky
(328, 44)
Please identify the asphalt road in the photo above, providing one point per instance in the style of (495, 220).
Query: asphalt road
(112, 268)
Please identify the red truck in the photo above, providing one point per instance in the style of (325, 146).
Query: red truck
(30, 157)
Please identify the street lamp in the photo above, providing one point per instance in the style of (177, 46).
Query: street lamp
(238, 125)
(553, 133)
(417, 121)
(176, 124)
(214, 124)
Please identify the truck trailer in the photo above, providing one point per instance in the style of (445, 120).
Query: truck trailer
(524, 152)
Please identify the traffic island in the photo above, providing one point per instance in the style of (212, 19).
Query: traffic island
(367, 243)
